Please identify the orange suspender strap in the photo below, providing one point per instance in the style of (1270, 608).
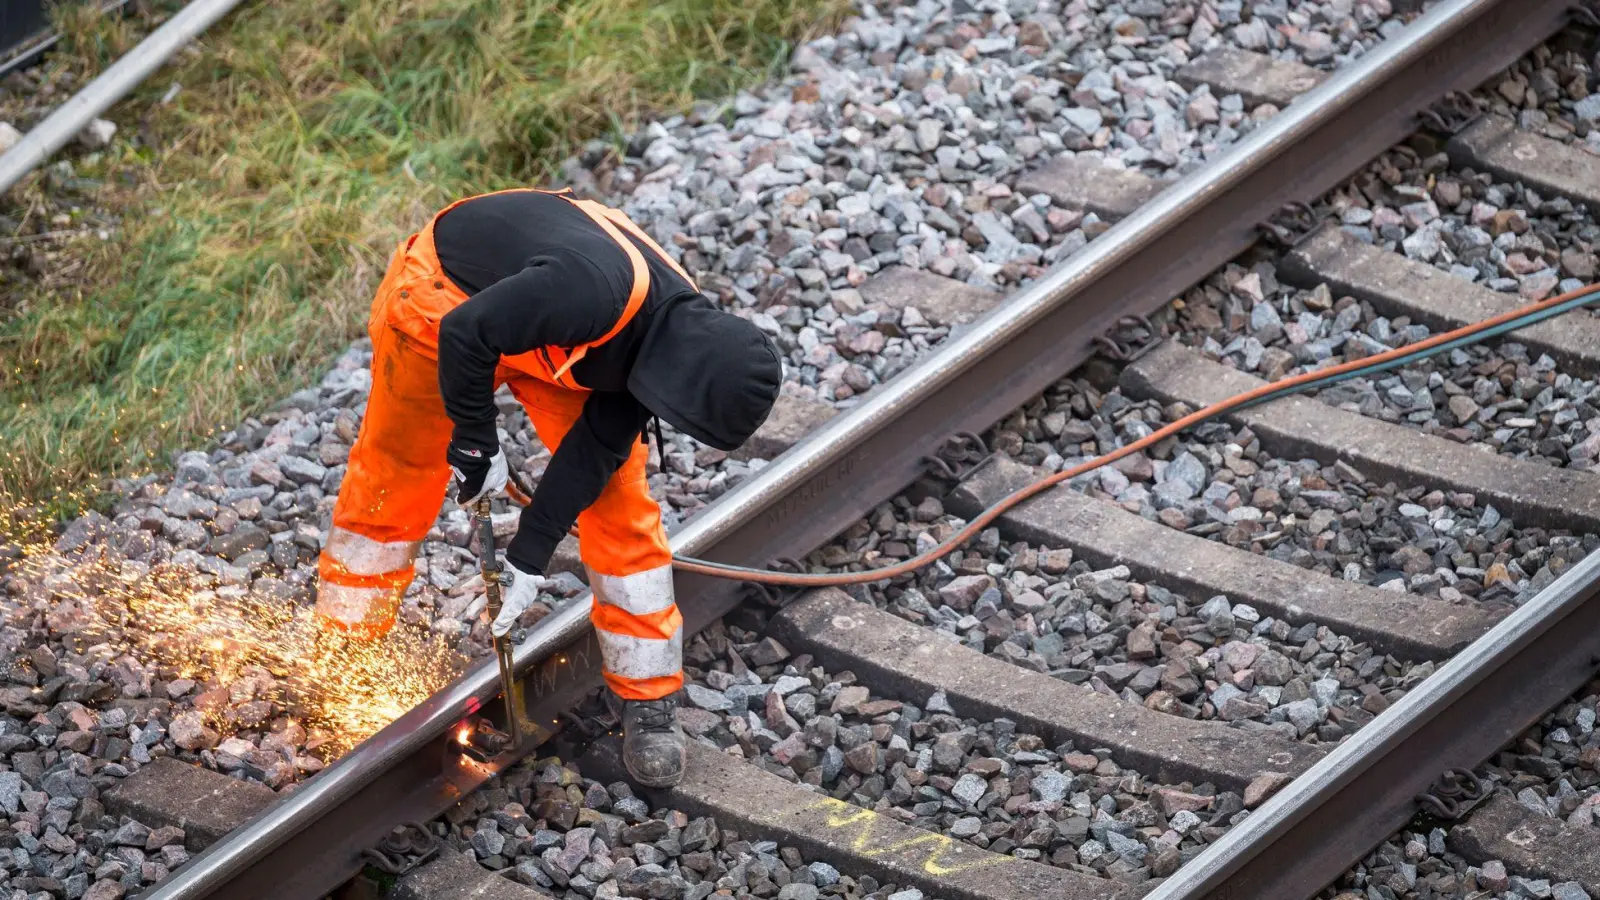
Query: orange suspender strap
(637, 232)
(609, 220)
(641, 281)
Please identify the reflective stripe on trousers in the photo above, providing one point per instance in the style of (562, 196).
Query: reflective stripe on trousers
(360, 581)
(640, 632)
(391, 492)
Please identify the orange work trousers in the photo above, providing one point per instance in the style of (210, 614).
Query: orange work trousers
(396, 481)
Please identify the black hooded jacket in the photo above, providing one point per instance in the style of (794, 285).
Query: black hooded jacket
(540, 273)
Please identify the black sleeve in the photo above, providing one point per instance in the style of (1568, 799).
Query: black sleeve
(551, 302)
(596, 447)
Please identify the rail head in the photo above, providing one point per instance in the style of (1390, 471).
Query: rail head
(71, 117)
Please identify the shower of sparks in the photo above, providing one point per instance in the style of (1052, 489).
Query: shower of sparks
(180, 621)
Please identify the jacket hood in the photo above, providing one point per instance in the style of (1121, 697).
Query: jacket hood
(708, 373)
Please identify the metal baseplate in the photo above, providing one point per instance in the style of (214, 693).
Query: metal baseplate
(776, 596)
(405, 848)
(962, 454)
(1454, 795)
(1451, 114)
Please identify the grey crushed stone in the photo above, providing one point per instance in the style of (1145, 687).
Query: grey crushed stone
(1195, 657)
(1329, 519)
(1496, 394)
(1553, 769)
(1549, 92)
(543, 824)
(985, 782)
(896, 142)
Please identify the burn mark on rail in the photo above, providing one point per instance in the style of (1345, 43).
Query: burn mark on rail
(562, 669)
(929, 848)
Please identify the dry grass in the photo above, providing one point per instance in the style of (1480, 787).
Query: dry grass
(307, 138)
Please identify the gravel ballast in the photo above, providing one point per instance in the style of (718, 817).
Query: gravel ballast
(1215, 481)
(1553, 770)
(544, 824)
(986, 782)
(1200, 658)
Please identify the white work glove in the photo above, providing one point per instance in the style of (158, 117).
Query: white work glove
(515, 599)
(476, 475)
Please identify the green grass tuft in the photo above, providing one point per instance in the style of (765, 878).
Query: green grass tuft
(260, 221)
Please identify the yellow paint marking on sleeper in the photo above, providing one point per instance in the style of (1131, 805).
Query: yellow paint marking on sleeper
(843, 815)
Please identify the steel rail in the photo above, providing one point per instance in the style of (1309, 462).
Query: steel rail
(310, 840)
(1332, 815)
(22, 54)
(22, 22)
(27, 57)
(70, 118)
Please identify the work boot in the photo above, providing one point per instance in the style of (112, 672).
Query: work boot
(652, 742)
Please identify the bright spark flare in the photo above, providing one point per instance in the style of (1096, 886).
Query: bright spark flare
(170, 616)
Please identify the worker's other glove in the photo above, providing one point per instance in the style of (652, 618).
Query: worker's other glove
(477, 474)
(515, 600)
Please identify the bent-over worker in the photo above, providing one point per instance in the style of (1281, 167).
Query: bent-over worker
(595, 330)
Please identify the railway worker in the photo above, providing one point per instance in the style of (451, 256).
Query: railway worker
(595, 330)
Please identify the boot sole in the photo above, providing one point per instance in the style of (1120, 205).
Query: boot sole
(667, 782)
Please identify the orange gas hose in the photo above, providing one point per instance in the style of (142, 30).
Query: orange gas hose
(984, 519)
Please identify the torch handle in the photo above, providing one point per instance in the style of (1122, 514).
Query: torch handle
(489, 566)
